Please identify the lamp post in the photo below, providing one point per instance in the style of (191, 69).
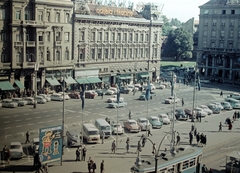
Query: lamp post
(36, 68)
(194, 93)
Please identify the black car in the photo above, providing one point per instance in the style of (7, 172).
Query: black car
(180, 114)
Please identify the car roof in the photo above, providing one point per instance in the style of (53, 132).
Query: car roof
(153, 117)
(15, 143)
(132, 121)
(142, 118)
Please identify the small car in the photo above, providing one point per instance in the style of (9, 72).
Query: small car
(155, 122)
(47, 97)
(160, 87)
(73, 138)
(143, 123)
(91, 94)
(234, 96)
(226, 106)
(132, 88)
(164, 118)
(99, 92)
(30, 100)
(170, 100)
(218, 105)
(132, 126)
(206, 109)
(16, 150)
(66, 96)
(57, 97)
(125, 90)
(200, 111)
(180, 114)
(189, 112)
(114, 99)
(74, 95)
(20, 101)
(8, 103)
(35, 145)
(109, 92)
(41, 100)
(117, 105)
(215, 109)
(117, 128)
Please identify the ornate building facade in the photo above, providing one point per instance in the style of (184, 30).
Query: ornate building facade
(219, 40)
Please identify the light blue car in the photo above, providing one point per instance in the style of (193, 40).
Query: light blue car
(155, 122)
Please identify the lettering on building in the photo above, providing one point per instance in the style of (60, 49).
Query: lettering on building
(115, 12)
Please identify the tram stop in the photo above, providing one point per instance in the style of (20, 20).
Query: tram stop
(233, 162)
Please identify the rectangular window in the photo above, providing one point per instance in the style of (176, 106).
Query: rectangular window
(232, 22)
(204, 43)
(93, 53)
(2, 14)
(155, 52)
(112, 53)
(18, 15)
(147, 37)
(192, 162)
(66, 36)
(106, 53)
(125, 37)
(93, 36)
(124, 53)
(106, 36)
(221, 44)
(185, 165)
(223, 22)
(130, 53)
(100, 36)
(40, 16)
(40, 38)
(222, 33)
(27, 15)
(206, 22)
(119, 37)
(136, 53)
(223, 11)
(48, 16)
(18, 37)
(141, 52)
(118, 53)
(214, 22)
(113, 37)
(82, 35)
(3, 58)
(155, 38)
(3, 37)
(231, 34)
(67, 17)
(213, 33)
(213, 44)
(67, 55)
(57, 19)
(99, 53)
(48, 34)
(232, 11)
(130, 37)
(204, 33)
(141, 38)
(58, 36)
(146, 52)
(136, 38)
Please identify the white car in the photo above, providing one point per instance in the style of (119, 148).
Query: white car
(170, 100)
(138, 86)
(48, 98)
(160, 87)
(40, 100)
(8, 103)
(117, 128)
(218, 105)
(66, 96)
(143, 123)
(114, 99)
(200, 111)
(152, 87)
(226, 106)
(30, 100)
(234, 96)
(109, 92)
(20, 101)
(57, 97)
(132, 87)
(16, 150)
(164, 118)
(206, 109)
(35, 145)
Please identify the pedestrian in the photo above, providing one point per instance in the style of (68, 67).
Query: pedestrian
(200, 117)
(102, 94)
(192, 127)
(130, 115)
(178, 139)
(127, 144)
(195, 131)
(220, 127)
(154, 149)
(221, 93)
(84, 151)
(8, 156)
(182, 102)
(205, 140)
(103, 137)
(234, 115)
(77, 154)
(4, 152)
(138, 147)
(94, 166)
(210, 170)
(143, 140)
(102, 167)
(238, 115)
(113, 148)
(230, 126)
(198, 138)
(35, 161)
(149, 131)
(27, 137)
(89, 163)
(204, 169)
(190, 137)
(201, 139)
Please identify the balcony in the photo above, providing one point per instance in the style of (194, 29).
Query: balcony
(18, 43)
(41, 43)
(58, 43)
(30, 43)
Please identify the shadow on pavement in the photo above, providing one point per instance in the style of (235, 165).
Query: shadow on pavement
(18, 168)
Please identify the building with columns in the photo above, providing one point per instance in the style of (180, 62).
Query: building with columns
(113, 40)
(218, 53)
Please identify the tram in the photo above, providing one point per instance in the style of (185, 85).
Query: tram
(184, 160)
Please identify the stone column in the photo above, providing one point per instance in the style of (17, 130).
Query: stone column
(43, 78)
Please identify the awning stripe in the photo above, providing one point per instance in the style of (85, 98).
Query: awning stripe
(94, 80)
(19, 84)
(53, 81)
(83, 81)
(70, 80)
(6, 85)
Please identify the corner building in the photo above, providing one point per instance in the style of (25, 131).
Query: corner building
(113, 42)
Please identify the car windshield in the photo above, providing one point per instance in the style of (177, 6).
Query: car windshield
(105, 128)
(15, 147)
(132, 122)
(93, 132)
(115, 126)
(155, 119)
(180, 111)
(143, 121)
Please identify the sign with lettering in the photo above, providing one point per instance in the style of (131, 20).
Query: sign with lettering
(114, 11)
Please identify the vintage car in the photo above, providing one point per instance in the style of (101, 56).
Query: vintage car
(218, 104)
(66, 96)
(30, 100)
(164, 118)
(117, 128)
(234, 96)
(125, 90)
(91, 94)
(170, 100)
(206, 109)
(47, 97)
(8, 103)
(132, 126)
(155, 122)
(201, 112)
(20, 101)
(74, 95)
(180, 114)
(114, 99)
(111, 91)
(16, 150)
(226, 106)
(215, 109)
(117, 105)
(143, 123)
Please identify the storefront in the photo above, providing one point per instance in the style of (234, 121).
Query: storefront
(142, 77)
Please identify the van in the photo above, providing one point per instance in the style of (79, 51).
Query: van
(73, 138)
(233, 102)
(91, 94)
(56, 97)
(103, 126)
(90, 133)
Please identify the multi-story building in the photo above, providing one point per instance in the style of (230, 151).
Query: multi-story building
(35, 32)
(219, 40)
(111, 40)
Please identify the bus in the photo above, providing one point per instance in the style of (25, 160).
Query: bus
(185, 160)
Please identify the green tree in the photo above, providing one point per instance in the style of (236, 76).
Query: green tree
(179, 44)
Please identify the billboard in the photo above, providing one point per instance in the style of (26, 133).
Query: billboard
(50, 144)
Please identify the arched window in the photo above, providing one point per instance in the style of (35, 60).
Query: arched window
(67, 18)
(57, 17)
(67, 55)
(48, 56)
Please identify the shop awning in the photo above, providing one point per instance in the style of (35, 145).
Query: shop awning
(53, 81)
(128, 77)
(144, 75)
(70, 80)
(6, 85)
(122, 77)
(94, 80)
(83, 81)
(19, 84)
(125, 76)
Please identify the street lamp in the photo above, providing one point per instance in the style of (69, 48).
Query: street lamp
(36, 68)
(194, 93)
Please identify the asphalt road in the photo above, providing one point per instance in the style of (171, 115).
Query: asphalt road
(15, 122)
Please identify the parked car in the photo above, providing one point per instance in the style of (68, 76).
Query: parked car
(117, 105)
(41, 100)
(138, 86)
(164, 118)
(152, 87)
(132, 88)
(180, 114)
(116, 128)
(218, 105)
(90, 94)
(155, 122)
(234, 96)
(57, 97)
(74, 95)
(66, 96)
(143, 123)
(132, 126)
(201, 112)
(160, 86)
(99, 92)
(215, 109)
(109, 92)
(8, 103)
(189, 112)
(170, 100)
(113, 89)
(35, 145)
(47, 97)
(226, 106)
(16, 150)
(125, 90)
(206, 109)
(73, 138)
(30, 100)
(114, 99)
(20, 101)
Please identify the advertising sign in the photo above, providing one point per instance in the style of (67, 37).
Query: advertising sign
(50, 144)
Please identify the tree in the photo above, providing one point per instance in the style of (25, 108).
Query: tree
(169, 25)
(179, 44)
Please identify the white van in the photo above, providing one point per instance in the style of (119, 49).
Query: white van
(103, 126)
(91, 133)
(233, 102)
(56, 97)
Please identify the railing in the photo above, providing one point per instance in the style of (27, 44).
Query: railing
(18, 43)
(31, 43)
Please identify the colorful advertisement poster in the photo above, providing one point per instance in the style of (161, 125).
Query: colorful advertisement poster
(50, 144)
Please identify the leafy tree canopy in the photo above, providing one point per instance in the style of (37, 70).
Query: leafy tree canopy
(169, 25)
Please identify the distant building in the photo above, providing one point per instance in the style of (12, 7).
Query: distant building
(219, 40)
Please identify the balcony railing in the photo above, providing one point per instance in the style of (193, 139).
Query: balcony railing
(30, 43)
(18, 43)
